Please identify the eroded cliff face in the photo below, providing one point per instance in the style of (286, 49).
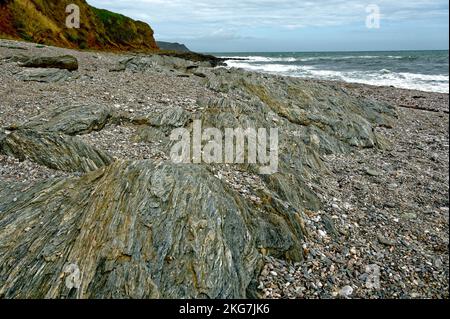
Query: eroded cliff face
(151, 228)
(44, 22)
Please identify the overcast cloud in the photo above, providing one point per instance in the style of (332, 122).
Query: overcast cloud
(290, 25)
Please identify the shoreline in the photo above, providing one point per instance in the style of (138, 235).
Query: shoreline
(341, 81)
(384, 203)
(207, 56)
(418, 70)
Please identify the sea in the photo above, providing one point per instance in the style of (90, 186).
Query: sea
(419, 70)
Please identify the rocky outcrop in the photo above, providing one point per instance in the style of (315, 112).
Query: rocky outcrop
(44, 75)
(135, 230)
(196, 57)
(65, 62)
(72, 119)
(56, 151)
(45, 69)
(167, 63)
(155, 229)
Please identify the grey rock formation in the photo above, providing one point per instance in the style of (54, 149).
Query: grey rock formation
(21, 58)
(176, 63)
(44, 75)
(54, 150)
(72, 119)
(163, 64)
(134, 230)
(147, 229)
(66, 62)
(338, 120)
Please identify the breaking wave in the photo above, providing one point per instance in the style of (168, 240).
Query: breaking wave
(400, 71)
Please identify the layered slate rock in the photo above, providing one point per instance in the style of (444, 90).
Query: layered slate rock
(54, 150)
(160, 63)
(66, 62)
(168, 64)
(72, 119)
(21, 58)
(44, 75)
(50, 139)
(338, 120)
(154, 229)
(135, 230)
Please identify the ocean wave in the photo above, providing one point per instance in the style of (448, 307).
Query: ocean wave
(254, 59)
(413, 81)
(264, 59)
(383, 77)
(269, 68)
(349, 57)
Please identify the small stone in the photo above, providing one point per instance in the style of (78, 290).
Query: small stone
(322, 233)
(372, 172)
(409, 216)
(438, 263)
(335, 206)
(346, 292)
(347, 206)
(385, 241)
(261, 285)
(290, 279)
(315, 140)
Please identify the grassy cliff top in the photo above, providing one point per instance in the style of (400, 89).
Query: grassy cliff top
(44, 21)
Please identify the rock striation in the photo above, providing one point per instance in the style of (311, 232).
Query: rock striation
(66, 62)
(155, 229)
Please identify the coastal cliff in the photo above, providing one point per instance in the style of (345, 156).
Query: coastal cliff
(44, 22)
(169, 46)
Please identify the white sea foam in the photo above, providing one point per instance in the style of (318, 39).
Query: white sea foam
(350, 57)
(384, 77)
(270, 68)
(265, 59)
(422, 82)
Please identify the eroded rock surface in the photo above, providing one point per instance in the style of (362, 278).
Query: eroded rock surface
(72, 119)
(135, 230)
(137, 225)
(65, 62)
(54, 150)
(44, 75)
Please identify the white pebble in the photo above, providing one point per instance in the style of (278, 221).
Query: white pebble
(346, 292)
(322, 233)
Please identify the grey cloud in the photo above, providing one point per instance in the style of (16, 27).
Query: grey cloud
(188, 19)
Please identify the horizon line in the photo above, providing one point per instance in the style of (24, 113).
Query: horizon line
(323, 51)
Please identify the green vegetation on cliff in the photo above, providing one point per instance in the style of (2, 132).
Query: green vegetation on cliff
(45, 22)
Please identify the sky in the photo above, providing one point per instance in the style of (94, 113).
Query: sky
(292, 25)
